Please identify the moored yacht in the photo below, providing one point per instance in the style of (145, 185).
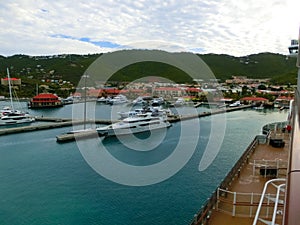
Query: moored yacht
(135, 124)
(119, 99)
(15, 117)
(9, 115)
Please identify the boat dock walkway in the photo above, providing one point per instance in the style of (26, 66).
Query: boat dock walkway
(51, 123)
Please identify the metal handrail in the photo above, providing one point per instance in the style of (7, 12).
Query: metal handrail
(263, 196)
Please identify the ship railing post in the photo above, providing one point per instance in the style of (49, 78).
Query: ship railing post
(265, 171)
(217, 203)
(277, 171)
(234, 202)
(251, 207)
(268, 204)
(195, 218)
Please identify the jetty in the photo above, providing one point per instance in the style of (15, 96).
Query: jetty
(51, 123)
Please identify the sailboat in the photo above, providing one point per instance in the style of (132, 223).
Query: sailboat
(9, 115)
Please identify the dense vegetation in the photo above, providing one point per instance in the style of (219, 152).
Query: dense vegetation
(53, 70)
(279, 68)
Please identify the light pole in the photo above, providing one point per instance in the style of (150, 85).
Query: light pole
(84, 109)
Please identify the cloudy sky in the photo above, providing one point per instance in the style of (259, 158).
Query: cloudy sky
(235, 27)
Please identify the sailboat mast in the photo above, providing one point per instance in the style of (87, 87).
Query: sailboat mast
(9, 88)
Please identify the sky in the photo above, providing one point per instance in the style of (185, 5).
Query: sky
(233, 27)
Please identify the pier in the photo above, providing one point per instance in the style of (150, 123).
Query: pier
(51, 123)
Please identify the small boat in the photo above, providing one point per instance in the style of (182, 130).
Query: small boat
(119, 99)
(155, 102)
(158, 111)
(235, 104)
(11, 116)
(179, 102)
(260, 107)
(135, 112)
(140, 101)
(103, 100)
(136, 124)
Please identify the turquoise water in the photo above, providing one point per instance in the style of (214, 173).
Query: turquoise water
(43, 182)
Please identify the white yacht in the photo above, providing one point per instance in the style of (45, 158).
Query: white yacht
(157, 111)
(10, 116)
(132, 113)
(179, 102)
(140, 101)
(103, 100)
(119, 99)
(135, 124)
(155, 102)
(15, 117)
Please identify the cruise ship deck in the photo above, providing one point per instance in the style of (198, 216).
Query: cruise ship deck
(238, 202)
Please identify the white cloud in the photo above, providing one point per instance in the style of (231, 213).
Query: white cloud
(210, 26)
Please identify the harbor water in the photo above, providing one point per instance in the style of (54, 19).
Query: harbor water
(44, 182)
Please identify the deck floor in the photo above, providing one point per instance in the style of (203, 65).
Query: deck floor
(246, 182)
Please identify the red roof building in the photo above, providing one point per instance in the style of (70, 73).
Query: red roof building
(13, 81)
(45, 100)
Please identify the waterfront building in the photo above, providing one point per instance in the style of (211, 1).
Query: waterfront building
(45, 100)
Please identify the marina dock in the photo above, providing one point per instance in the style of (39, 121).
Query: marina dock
(51, 123)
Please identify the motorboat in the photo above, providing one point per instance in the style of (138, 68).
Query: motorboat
(103, 100)
(158, 111)
(140, 101)
(10, 116)
(260, 107)
(179, 102)
(15, 117)
(119, 99)
(157, 101)
(132, 113)
(235, 104)
(135, 124)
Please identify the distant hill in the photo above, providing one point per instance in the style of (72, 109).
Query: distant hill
(71, 68)
(279, 68)
(66, 67)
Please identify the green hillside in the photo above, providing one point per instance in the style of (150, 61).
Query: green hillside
(66, 67)
(150, 69)
(46, 69)
(280, 69)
